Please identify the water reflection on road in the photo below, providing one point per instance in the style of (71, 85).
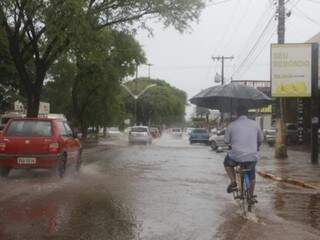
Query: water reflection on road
(169, 190)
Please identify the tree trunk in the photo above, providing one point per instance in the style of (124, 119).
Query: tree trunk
(104, 131)
(35, 92)
(84, 131)
(33, 105)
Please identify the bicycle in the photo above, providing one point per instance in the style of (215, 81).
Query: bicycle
(243, 193)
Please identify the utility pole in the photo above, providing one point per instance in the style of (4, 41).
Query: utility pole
(222, 58)
(280, 146)
(281, 21)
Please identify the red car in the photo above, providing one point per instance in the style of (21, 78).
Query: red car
(27, 143)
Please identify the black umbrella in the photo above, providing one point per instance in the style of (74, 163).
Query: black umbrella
(228, 97)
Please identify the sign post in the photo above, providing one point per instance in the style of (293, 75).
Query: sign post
(294, 73)
(315, 104)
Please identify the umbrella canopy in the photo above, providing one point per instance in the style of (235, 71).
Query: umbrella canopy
(227, 97)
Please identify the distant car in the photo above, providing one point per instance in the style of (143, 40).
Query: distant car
(176, 132)
(140, 134)
(270, 136)
(199, 135)
(189, 130)
(113, 132)
(29, 143)
(216, 141)
(291, 134)
(155, 133)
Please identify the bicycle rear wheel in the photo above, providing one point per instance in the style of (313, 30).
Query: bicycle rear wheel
(242, 195)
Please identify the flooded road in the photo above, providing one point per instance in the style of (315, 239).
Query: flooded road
(169, 190)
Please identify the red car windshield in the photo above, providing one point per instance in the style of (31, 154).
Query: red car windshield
(29, 128)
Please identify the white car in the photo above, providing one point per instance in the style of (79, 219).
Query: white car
(140, 134)
(113, 132)
(176, 132)
(216, 141)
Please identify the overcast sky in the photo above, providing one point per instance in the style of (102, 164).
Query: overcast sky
(233, 28)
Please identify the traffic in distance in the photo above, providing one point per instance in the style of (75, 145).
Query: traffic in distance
(50, 143)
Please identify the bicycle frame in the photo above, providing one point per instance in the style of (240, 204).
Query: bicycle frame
(243, 192)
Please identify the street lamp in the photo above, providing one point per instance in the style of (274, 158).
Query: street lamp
(149, 69)
(137, 96)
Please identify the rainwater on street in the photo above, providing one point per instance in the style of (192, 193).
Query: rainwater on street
(168, 190)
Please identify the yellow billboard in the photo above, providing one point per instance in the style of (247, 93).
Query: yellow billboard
(291, 70)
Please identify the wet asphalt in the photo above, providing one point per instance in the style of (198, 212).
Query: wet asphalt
(166, 191)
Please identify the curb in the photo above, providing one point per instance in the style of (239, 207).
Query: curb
(287, 180)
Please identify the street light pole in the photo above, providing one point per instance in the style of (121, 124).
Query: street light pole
(135, 111)
(136, 97)
(149, 70)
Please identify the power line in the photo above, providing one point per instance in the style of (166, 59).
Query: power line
(239, 24)
(264, 46)
(256, 28)
(224, 33)
(256, 44)
(259, 53)
(227, 27)
(303, 15)
(294, 4)
(231, 23)
(314, 1)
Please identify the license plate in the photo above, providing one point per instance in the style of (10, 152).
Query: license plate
(24, 160)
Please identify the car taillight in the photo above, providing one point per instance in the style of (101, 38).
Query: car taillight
(54, 147)
(2, 146)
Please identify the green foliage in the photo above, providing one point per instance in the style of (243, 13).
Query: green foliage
(162, 104)
(86, 80)
(9, 78)
(8, 73)
(40, 31)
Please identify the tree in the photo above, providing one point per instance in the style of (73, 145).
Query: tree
(48, 28)
(162, 104)
(8, 76)
(86, 80)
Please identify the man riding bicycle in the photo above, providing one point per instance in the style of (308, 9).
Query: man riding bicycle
(244, 137)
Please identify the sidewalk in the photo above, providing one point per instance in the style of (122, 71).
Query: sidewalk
(297, 166)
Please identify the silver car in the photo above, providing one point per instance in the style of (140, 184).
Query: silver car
(140, 134)
(216, 141)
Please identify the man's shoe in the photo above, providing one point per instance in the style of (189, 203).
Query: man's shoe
(253, 200)
(232, 187)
